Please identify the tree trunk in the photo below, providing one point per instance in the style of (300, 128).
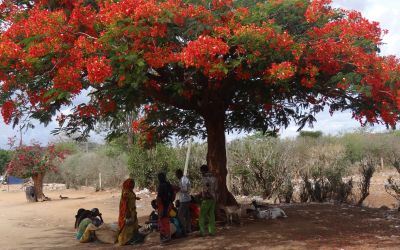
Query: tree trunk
(216, 154)
(38, 186)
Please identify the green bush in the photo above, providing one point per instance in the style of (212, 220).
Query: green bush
(145, 164)
(5, 157)
(260, 166)
(82, 168)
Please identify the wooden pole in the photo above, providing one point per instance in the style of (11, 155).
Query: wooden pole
(228, 176)
(100, 181)
(185, 171)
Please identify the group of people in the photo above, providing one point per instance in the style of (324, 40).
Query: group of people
(171, 220)
(189, 215)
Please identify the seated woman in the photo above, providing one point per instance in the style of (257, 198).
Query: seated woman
(152, 223)
(127, 220)
(85, 223)
(175, 226)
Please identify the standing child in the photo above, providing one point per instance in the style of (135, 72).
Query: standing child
(209, 198)
(184, 216)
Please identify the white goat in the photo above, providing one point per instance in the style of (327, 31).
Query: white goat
(268, 213)
(231, 211)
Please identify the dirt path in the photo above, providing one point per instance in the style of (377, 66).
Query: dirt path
(49, 225)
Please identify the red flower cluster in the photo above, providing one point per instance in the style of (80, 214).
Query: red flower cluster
(8, 51)
(205, 52)
(158, 57)
(135, 9)
(281, 71)
(310, 73)
(317, 9)
(34, 159)
(68, 79)
(86, 111)
(107, 105)
(83, 16)
(38, 50)
(7, 110)
(144, 133)
(99, 69)
(218, 4)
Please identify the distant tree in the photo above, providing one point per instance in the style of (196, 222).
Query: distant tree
(34, 161)
(5, 157)
(312, 134)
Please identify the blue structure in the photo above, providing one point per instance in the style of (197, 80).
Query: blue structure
(14, 180)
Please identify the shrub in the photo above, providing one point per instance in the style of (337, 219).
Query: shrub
(392, 187)
(5, 157)
(259, 166)
(145, 164)
(367, 170)
(324, 170)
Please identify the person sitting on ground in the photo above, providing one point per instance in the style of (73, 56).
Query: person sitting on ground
(165, 198)
(209, 198)
(96, 217)
(184, 215)
(177, 231)
(78, 217)
(83, 213)
(83, 219)
(127, 220)
(152, 223)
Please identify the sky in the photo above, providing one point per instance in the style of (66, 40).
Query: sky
(386, 12)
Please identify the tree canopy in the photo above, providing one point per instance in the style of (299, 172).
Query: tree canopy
(196, 67)
(264, 62)
(28, 161)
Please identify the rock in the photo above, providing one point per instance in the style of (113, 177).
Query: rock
(143, 191)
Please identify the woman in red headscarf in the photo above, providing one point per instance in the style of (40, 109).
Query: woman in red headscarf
(127, 220)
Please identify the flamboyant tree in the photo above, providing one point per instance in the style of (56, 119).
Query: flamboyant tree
(34, 161)
(196, 67)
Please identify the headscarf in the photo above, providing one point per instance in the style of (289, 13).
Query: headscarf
(78, 217)
(162, 178)
(127, 187)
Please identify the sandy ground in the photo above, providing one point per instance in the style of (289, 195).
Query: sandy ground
(49, 225)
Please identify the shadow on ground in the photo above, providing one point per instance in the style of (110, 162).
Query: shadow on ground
(309, 226)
